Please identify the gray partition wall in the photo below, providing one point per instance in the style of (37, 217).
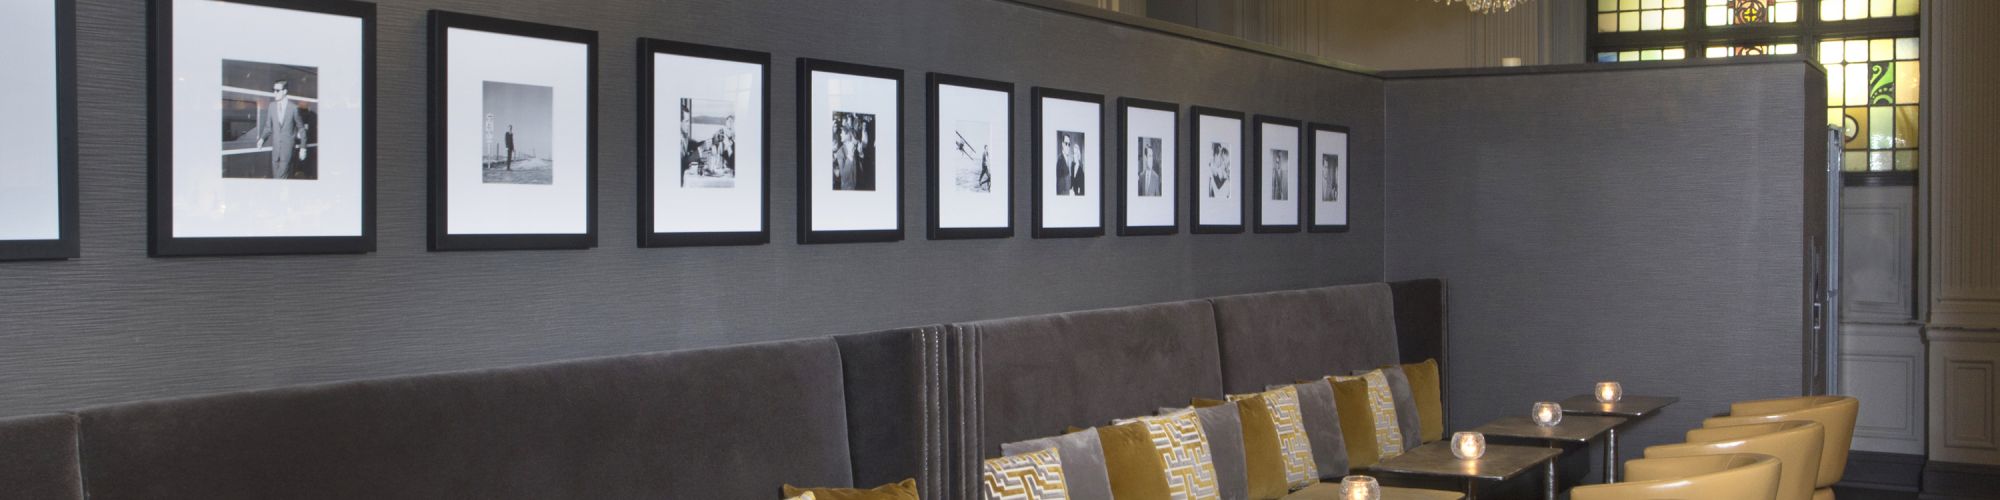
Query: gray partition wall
(1648, 224)
(117, 326)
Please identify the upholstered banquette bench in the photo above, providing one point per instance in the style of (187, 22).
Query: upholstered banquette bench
(735, 422)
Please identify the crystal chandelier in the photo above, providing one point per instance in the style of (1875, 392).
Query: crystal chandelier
(1487, 6)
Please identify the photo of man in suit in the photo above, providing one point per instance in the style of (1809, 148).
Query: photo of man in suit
(1149, 166)
(1069, 163)
(1218, 172)
(269, 121)
(284, 131)
(1281, 161)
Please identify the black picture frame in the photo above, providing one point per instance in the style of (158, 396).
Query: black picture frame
(161, 241)
(807, 235)
(1254, 170)
(648, 47)
(66, 244)
(1195, 225)
(1311, 177)
(933, 231)
(441, 239)
(1038, 95)
(1125, 228)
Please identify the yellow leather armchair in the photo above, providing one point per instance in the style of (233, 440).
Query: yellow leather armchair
(1740, 476)
(1837, 413)
(1796, 445)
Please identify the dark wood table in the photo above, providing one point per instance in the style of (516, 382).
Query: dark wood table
(1580, 429)
(1501, 462)
(1629, 407)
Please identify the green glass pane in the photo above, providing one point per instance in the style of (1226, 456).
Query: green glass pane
(1881, 127)
(1907, 78)
(1881, 161)
(1906, 160)
(1906, 127)
(1854, 128)
(1881, 83)
(1854, 161)
(1650, 55)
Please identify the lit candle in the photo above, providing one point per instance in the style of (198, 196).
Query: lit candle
(1548, 414)
(1609, 392)
(1360, 488)
(1468, 445)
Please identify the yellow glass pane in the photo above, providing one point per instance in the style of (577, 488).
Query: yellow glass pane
(1607, 5)
(1857, 51)
(1906, 49)
(1676, 19)
(1831, 10)
(1675, 54)
(1650, 20)
(1906, 127)
(1906, 160)
(1882, 49)
(1907, 80)
(1787, 12)
(1650, 55)
(1854, 127)
(1631, 4)
(1856, 9)
(1857, 83)
(1628, 21)
(1881, 8)
(1834, 92)
(1854, 161)
(1676, 4)
(1906, 7)
(1607, 23)
(1833, 117)
(1649, 4)
(1881, 161)
(1830, 53)
(1627, 56)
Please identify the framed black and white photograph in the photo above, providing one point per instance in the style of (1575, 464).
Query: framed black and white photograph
(38, 218)
(1216, 178)
(1277, 176)
(704, 147)
(971, 175)
(1069, 164)
(850, 170)
(1148, 171)
(263, 127)
(513, 134)
(1326, 178)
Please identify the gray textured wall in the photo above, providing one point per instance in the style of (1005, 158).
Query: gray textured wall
(116, 325)
(1641, 225)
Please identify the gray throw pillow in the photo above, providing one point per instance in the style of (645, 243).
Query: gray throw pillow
(1407, 419)
(1322, 422)
(1224, 429)
(1082, 461)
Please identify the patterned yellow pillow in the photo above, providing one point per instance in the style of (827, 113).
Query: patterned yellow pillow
(1027, 476)
(1283, 402)
(1382, 409)
(805, 496)
(1183, 448)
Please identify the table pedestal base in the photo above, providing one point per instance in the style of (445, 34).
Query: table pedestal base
(1611, 456)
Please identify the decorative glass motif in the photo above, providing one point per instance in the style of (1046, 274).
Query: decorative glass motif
(1872, 95)
(1735, 12)
(1751, 50)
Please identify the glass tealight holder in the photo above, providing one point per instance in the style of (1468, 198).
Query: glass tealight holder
(1547, 414)
(1468, 445)
(1609, 392)
(1360, 488)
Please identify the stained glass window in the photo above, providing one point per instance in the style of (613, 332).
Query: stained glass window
(1871, 94)
(1845, 10)
(1716, 51)
(1733, 12)
(1654, 54)
(1615, 16)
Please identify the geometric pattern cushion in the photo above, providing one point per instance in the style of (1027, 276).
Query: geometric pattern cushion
(900, 490)
(807, 496)
(1183, 448)
(1382, 410)
(1028, 476)
(1283, 402)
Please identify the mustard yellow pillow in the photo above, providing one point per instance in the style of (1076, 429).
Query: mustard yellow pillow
(1295, 447)
(1357, 425)
(1381, 409)
(904, 490)
(1427, 388)
(1263, 458)
(1131, 461)
(1184, 457)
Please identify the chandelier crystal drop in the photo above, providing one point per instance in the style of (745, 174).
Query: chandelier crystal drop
(1487, 6)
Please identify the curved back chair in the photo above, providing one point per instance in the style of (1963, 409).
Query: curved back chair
(1796, 445)
(1837, 413)
(1740, 476)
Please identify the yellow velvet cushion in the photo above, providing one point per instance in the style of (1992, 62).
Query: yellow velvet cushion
(1263, 459)
(1427, 388)
(904, 490)
(1294, 446)
(1183, 448)
(1131, 461)
(1382, 411)
(1357, 424)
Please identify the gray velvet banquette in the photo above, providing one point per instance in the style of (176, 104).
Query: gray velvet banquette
(722, 423)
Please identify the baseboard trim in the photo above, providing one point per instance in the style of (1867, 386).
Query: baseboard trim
(1950, 479)
(1884, 471)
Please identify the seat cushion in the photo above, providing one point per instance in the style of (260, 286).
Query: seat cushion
(1331, 491)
